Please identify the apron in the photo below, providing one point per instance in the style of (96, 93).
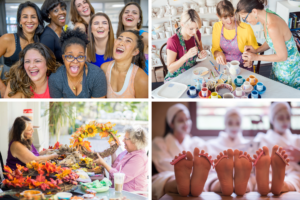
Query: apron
(231, 49)
(188, 64)
(286, 72)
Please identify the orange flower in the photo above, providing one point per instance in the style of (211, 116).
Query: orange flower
(7, 169)
(87, 145)
(103, 134)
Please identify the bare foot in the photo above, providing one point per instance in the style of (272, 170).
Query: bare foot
(224, 168)
(201, 168)
(262, 168)
(242, 170)
(183, 169)
(278, 163)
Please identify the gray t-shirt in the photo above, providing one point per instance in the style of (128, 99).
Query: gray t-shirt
(93, 84)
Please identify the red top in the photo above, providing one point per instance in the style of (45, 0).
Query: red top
(45, 95)
(173, 44)
(27, 111)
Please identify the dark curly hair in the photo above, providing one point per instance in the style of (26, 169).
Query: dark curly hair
(48, 5)
(75, 36)
(139, 59)
(40, 28)
(17, 76)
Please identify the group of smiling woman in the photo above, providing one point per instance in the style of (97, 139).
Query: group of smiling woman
(85, 62)
(235, 40)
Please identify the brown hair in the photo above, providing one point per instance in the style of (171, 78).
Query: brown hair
(121, 26)
(225, 9)
(75, 17)
(17, 131)
(91, 49)
(248, 5)
(189, 16)
(17, 76)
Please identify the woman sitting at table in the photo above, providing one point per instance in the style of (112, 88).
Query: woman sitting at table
(230, 37)
(54, 12)
(101, 36)
(76, 78)
(29, 77)
(125, 76)
(131, 18)
(133, 162)
(286, 60)
(21, 149)
(183, 47)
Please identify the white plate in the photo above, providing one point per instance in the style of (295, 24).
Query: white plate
(199, 71)
(172, 90)
(198, 59)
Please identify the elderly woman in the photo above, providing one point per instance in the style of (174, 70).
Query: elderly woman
(281, 135)
(21, 149)
(133, 162)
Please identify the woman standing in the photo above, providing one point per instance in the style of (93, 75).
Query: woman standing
(21, 149)
(177, 138)
(125, 76)
(185, 46)
(54, 12)
(29, 78)
(286, 60)
(281, 135)
(131, 18)
(230, 37)
(76, 78)
(30, 26)
(81, 13)
(101, 37)
(134, 157)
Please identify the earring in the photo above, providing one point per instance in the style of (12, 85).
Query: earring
(49, 17)
(20, 25)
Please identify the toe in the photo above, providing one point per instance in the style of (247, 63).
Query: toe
(283, 152)
(196, 152)
(215, 161)
(236, 153)
(255, 156)
(218, 157)
(258, 152)
(176, 157)
(206, 154)
(274, 149)
(225, 152)
(180, 154)
(287, 160)
(221, 154)
(183, 152)
(266, 150)
(230, 153)
(202, 151)
(189, 156)
(210, 157)
(285, 156)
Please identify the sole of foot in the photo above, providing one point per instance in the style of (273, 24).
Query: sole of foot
(278, 169)
(201, 169)
(183, 170)
(242, 170)
(224, 170)
(262, 168)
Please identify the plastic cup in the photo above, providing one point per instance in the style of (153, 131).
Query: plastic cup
(119, 181)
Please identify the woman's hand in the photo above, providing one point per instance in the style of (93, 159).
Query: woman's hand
(53, 156)
(202, 54)
(100, 160)
(249, 49)
(250, 56)
(248, 64)
(293, 153)
(112, 143)
(220, 58)
(192, 52)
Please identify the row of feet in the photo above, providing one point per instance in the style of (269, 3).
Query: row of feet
(200, 164)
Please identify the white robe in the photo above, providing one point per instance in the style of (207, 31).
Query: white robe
(221, 143)
(163, 152)
(288, 139)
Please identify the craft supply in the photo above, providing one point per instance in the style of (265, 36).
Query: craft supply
(219, 67)
(213, 74)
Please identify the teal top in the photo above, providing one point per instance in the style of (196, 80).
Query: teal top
(286, 72)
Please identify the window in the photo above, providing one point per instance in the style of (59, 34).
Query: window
(210, 117)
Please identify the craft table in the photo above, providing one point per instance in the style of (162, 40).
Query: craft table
(247, 196)
(274, 89)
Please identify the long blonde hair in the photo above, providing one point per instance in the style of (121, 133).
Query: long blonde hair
(91, 49)
(190, 16)
(121, 26)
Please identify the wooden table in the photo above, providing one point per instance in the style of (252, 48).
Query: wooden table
(274, 89)
(247, 196)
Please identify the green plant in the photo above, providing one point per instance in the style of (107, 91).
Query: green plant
(60, 114)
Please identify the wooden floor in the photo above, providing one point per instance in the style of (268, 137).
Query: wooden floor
(247, 196)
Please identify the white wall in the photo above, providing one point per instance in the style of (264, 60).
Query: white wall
(9, 112)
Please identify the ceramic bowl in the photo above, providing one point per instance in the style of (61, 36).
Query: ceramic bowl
(64, 195)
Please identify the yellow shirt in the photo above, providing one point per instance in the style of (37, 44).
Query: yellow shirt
(245, 36)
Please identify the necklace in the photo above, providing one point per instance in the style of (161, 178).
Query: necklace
(74, 86)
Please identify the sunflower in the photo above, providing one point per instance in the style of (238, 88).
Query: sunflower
(90, 130)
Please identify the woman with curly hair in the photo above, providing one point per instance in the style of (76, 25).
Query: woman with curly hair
(134, 157)
(125, 76)
(81, 13)
(29, 77)
(54, 12)
(76, 78)
(29, 27)
(131, 18)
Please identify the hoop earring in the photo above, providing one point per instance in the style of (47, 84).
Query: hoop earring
(20, 25)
